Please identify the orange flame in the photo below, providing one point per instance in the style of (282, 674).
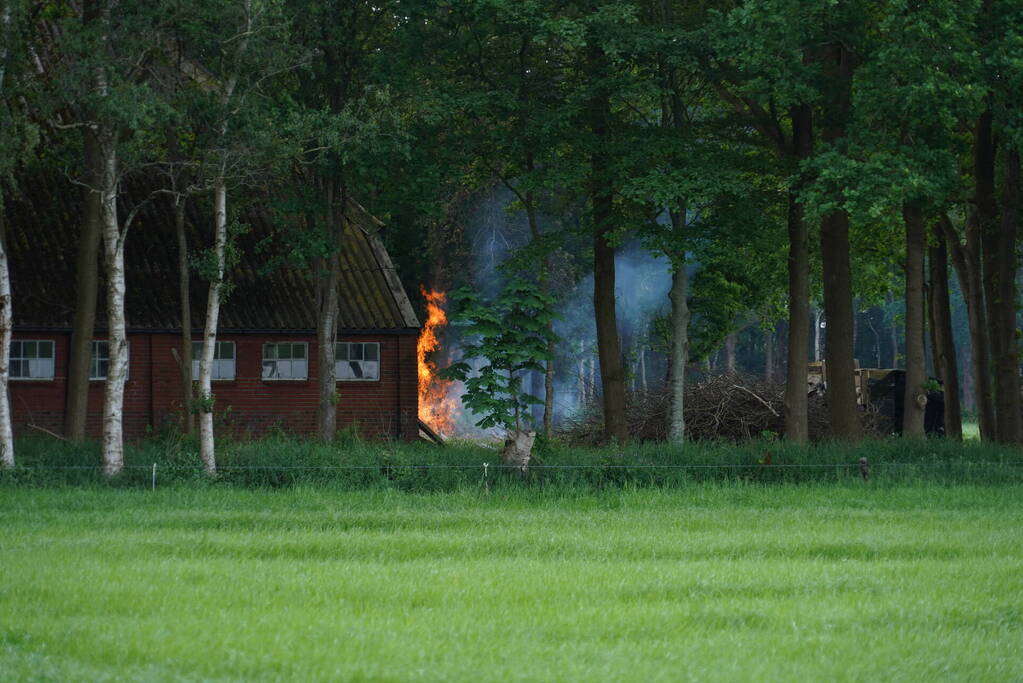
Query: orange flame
(436, 408)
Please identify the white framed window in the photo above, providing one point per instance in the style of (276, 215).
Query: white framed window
(286, 360)
(357, 361)
(223, 360)
(31, 359)
(99, 364)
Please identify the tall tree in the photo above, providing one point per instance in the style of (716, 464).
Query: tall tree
(86, 265)
(237, 47)
(915, 396)
(18, 136)
(101, 78)
(943, 342)
(838, 68)
(777, 98)
(349, 124)
(612, 367)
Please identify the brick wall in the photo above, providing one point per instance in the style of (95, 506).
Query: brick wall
(248, 405)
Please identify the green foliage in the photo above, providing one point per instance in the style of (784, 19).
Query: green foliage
(19, 133)
(511, 334)
(205, 261)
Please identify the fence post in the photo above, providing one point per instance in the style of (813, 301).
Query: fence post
(154, 476)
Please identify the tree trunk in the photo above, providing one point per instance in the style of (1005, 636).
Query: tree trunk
(612, 370)
(1002, 309)
(796, 428)
(966, 261)
(838, 307)
(856, 332)
(943, 341)
(969, 392)
(915, 397)
(548, 384)
(6, 325)
(838, 311)
(117, 340)
(592, 384)
(186, 316)
(327, 323)
(817, 346)
(207, 445)
(731, 341)
(893, 331)
(769, 355)
(581, 383)
(987, 219)
(679, 359)
(545, 268)
(877, 342)
(86, 293)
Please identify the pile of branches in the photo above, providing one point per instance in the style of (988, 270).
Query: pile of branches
(728, 406)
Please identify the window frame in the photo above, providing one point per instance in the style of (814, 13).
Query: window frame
(93, 358)
(216, 351)
(22, 358)
(337, 376)
(263, 360)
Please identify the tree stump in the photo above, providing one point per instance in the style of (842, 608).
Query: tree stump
(518, 448)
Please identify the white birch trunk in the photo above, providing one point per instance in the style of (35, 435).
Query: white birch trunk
(117, 370)
(591, 387)
(207, 446)
(6, 308)
(6, 323)
(581, 383)
(679, 352)
(642, 368)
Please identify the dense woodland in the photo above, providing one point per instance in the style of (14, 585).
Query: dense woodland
(780, 164)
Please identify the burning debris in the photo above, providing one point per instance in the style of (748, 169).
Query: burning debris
(438, 406)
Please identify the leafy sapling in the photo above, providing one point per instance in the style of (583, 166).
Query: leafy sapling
(511, 334)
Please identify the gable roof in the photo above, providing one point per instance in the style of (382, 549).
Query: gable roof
(43, 230)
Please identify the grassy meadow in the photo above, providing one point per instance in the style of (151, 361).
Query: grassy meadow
(727, 580)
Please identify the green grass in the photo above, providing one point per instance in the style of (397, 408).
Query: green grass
(971, 431)
(717, 581)
(352, 464)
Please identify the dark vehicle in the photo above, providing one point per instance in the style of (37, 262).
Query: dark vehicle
(888, 394)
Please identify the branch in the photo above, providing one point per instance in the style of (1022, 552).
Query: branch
(47, 431)
(765, 403)
(72, 126)
(762, 120)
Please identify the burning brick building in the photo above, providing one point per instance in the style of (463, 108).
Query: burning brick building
(265, 366)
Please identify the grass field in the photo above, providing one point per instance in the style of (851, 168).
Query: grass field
(711, 581)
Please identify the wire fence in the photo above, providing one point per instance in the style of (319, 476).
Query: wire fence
(440, 477)
(506, 466)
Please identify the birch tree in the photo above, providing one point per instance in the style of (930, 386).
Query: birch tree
(243, 43)
(17, 137)
(6, 323)
(100, 83)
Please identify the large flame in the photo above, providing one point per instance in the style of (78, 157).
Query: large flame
(436, 408)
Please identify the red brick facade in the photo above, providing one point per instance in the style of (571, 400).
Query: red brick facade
(247, 405)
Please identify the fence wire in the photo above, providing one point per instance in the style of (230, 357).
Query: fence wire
(481, 466)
